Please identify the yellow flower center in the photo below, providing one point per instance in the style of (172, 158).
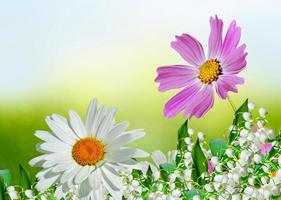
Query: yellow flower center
(88, 151)
(209, 71)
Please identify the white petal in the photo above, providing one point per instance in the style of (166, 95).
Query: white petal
(62, 131)
(58, 156)
(42, 173)
(158, 157)
(84, 189)
(95, 179)
(99, 193)
(47, 136)
(82, 174)
(55, 147)
(172, 156)
(98, 118)
(37, 161)
(112, 176)
(124, 154)
(116, 131)
(77, 124)
(44, 184)
(123, 140)
(91, 114)
(106, 124)
(63, 166)
(69, 174)
(115, 192)
(57, 117)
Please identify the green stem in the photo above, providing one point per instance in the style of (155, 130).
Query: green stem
(231, 103)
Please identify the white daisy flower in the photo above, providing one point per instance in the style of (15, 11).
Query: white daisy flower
(160, 158)
(85, 156)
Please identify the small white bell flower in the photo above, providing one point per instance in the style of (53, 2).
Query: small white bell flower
(201, 136)
(247, 116)
(263, 112)
(251, 106)
(190, 131)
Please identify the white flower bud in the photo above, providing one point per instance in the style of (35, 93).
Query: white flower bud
(10, 188)
(264, 180)
(248, 125)
(187, 156)
(13, 194)
(270, 133)
(244, 133)
(262, 112)
(190, 131)
(251, 137)
(172, 186)
(236, 177)
(274, 190)
(130, 177)
(187, 140)
(260, 123)
(209, 188)
(235, 197)
(28, 193)
(247, 116)
(218, 178)
(176, 193)
(251, 180)
(201, 136)
(278, 174)
(262, 138)
(265, 168)
(257, 158)
(251, 106)
(230, 165)
(244, 155)
(229, 152)
(135, 184)
(266, 194)
(217, 185)
(218, 168)
(249, 190)
(215, 161)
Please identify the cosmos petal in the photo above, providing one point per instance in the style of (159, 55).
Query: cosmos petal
(190, 49)
(175, 76)
(215, 38)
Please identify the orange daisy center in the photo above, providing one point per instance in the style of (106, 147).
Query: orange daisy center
(88, 151)
(209, 71)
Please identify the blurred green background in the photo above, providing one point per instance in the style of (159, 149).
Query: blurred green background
(57, 56)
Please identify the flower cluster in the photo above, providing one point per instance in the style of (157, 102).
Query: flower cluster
(91, 160)
(246, 166)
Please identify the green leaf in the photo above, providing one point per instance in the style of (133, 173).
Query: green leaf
(3, 192)
(181, 145)
(6, 176)
(217, 146)
(24, 178)
(164, 174)
(239, 120)
(182, 134)
(190, 194)
(168, 167)
(136, 173)
(149, 177)
(199, 163)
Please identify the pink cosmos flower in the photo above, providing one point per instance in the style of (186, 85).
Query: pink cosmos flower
(204, 74)
(265, 148)
(211, 167)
